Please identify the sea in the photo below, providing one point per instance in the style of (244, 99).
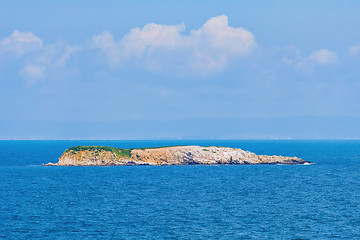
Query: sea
(319, 201)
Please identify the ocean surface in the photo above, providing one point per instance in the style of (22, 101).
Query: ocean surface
(320, 201)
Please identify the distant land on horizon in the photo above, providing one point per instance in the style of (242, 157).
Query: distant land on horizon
(201, 129)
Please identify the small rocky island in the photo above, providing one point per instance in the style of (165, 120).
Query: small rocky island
(175, 155)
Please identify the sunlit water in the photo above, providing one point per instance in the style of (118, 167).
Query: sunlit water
(320, 201)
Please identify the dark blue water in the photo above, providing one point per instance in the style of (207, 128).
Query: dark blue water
(320, 201)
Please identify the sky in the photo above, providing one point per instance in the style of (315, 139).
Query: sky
(179, 69)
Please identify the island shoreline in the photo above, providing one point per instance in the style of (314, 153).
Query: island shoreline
(168, 155)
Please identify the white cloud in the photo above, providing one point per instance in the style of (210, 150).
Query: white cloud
(62, 60)
(216, 42)
(354, 50)
(216, 34)
(206, 49)
(33, 58)
(322, 57)
(108, 46)
(153, 36)
(50, 61)
(33, 72)
(20, 43)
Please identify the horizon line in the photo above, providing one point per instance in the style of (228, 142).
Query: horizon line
(183, 139)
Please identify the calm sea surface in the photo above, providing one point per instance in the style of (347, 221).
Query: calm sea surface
(320, 201)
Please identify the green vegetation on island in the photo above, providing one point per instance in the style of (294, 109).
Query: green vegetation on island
(120, 152)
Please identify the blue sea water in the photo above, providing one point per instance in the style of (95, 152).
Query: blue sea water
(320, 201)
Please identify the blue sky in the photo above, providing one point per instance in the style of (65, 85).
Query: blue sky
(283, 69)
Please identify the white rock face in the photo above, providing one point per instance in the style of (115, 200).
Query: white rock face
(178, 155)
(207, 155)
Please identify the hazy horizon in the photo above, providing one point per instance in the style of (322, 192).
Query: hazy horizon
(217, 129)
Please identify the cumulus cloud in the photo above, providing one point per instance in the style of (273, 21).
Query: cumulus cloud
(33, 58)
(321, 57)
(153, 36)
(216, 42)
(20, 43)
(216, 34)
(206, 49)
(108, 46)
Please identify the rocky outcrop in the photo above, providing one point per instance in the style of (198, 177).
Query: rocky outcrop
(177, 155)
